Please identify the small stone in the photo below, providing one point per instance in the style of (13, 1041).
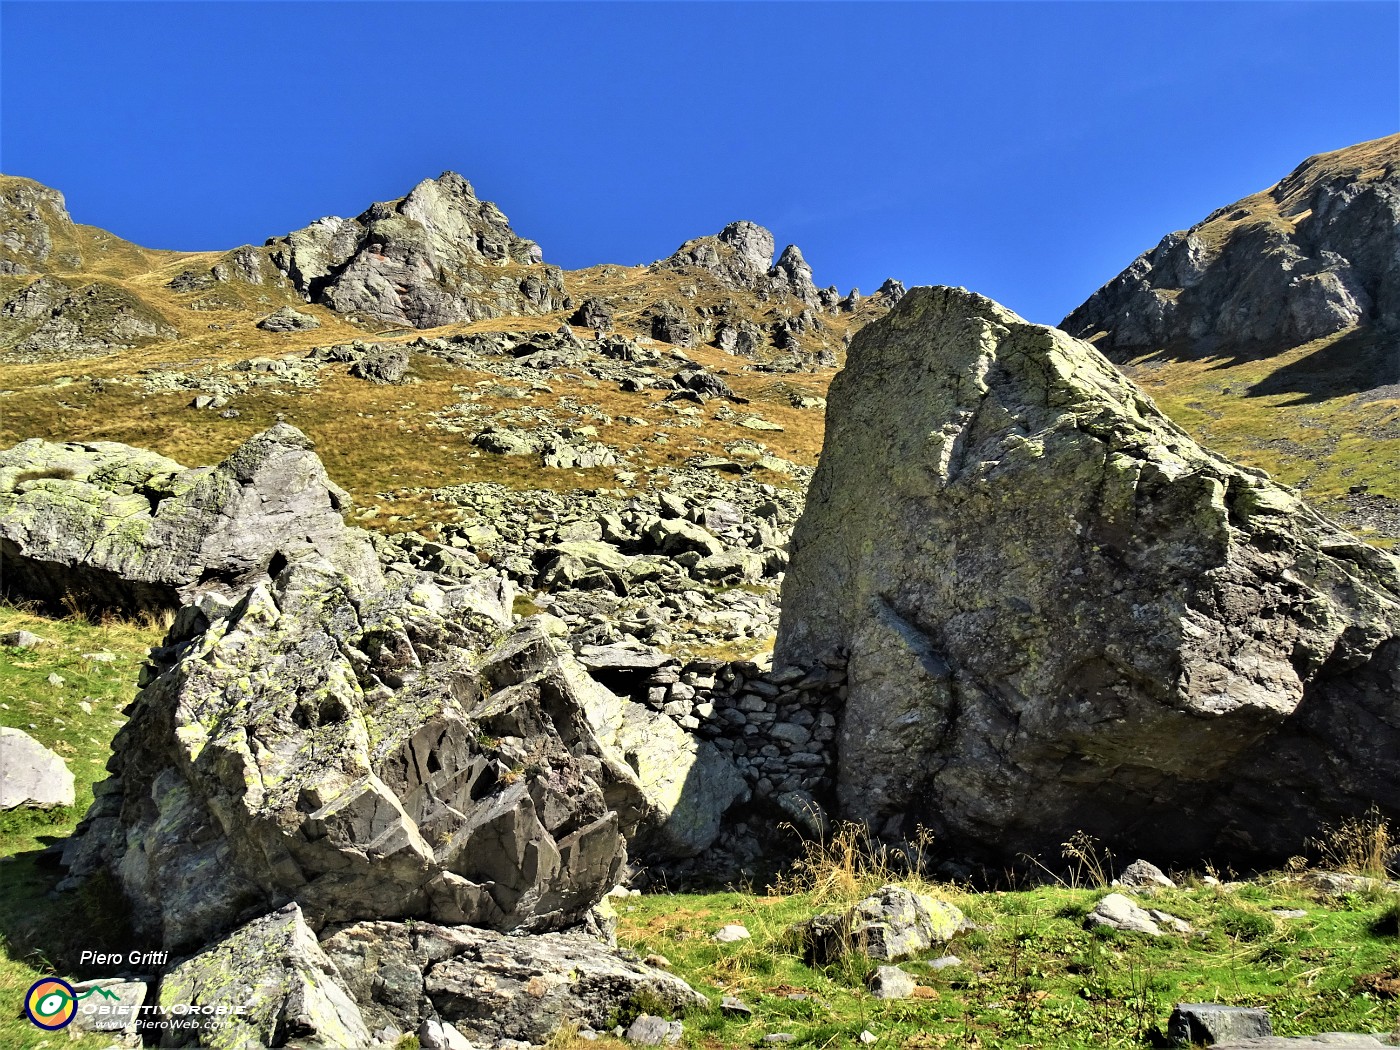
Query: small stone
(890, 982)
(55, 679)
(867, 1037)
(735, 1007)
(650, 1030)
(779, 1037)
(731, 933)
(22, 639)
(1142, 875)
(943, 962)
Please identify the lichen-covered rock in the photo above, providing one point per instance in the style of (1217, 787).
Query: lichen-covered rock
(31, 775)
(1063, 614)
(1312, 256)
(276, 975)
(434, 257)
(492, 987)
(895, 923)
(121, 527)
(339, 747)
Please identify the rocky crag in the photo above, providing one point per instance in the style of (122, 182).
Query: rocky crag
(1062, 614)
(1315, 255)
(436, 256)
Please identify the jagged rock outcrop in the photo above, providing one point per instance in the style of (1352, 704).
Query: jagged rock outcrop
(1062, 614)
(1317, 254)
(741, 257)
(434, 257)
(37, 235)
(49, 319)
(286, 319)
(30, 215)
(120, 527)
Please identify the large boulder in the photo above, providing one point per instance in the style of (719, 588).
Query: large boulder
(121, 527)
(1063, 614)
(434, 257)
(376, 754)
(492, 987)
(346, 749)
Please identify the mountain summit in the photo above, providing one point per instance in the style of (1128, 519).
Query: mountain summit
(436, 256)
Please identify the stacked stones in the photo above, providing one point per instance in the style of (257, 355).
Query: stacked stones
(778, 726)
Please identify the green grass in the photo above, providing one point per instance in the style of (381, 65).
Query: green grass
(37, 933)
(1033, 976)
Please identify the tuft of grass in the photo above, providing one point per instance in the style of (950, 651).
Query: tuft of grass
(1363, 845)
(849, 863)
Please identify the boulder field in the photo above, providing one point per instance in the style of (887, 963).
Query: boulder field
(1063, 614)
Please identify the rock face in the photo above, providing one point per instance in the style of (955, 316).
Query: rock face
(120, 527)
(1317, 254)
(741, 257)
(50, 319)
(434, 257)
(1063, 614)
(30, 774)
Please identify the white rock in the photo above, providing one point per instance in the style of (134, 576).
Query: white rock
(731, 933)
(31, 774)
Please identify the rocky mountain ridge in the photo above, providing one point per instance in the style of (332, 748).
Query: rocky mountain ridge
(1314, 255)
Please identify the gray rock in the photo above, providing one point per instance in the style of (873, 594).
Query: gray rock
(676, 535)
(1126, 629)
(434, 257)
(387, 366)
(1141, 874)
(274, 968)
(650, 1030)
(895, 923)
(31, 776)
(490, 986)
(120, 527)
(890, 982)
(593, 313)
(1194, 1023)
(22, 639)
(49, 320)
(740, 255)
(1121, 913)
(286, 319)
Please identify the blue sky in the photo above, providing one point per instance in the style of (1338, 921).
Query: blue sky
(1026, 150)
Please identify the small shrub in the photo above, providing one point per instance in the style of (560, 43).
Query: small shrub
(1387, 923)
(1246, 924)
(1093, 864)
(849, 864)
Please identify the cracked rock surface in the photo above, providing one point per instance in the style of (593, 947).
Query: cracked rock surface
(1063, 614)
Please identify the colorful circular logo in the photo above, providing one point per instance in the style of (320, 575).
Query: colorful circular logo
(51, 1003)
